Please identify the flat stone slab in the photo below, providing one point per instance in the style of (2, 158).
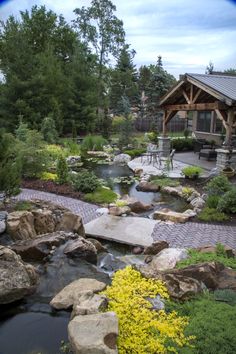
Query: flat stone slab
(133, 231)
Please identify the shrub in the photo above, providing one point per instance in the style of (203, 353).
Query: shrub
(93, 142)
(134, 152)
(121, 203)
(180, 144)
(48, 130)
(212, 214)
(23, 205)
(212, 201)
(142, 330)
(34, 157)
(101, 195)
(213, 324)
(227, 202)
(186, 133)
(197, 257)
(85, 182)
(54, 152)
(187, 191)
(164, 181)
(48, 176)
(218, 185)
(62, 170)
(72, 148)
(192, 171)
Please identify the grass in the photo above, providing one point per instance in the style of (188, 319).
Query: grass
(197, 257)
(101, 195)
(212, 322)
(23, 205)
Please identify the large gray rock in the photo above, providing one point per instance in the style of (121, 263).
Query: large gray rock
(40, 247)
(122, 159)
(118, 211)
(71, 294)
(148, 187)
(198, 203)
(70, 222)
(20, 225)
(94, 334)
(166, 259)
(17, 279)
(89, 303)
(169, 215)
(81, 248)
(182, 287)
(2, 226)
(43, 221)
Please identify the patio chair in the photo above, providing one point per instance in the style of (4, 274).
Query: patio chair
(148, 153)
(169, 158)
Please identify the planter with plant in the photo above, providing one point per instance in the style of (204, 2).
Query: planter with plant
(192, 172)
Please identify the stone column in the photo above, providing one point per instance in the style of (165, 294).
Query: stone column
(164, 145)
(223, 158)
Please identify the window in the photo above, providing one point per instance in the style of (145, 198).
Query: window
(204, 122)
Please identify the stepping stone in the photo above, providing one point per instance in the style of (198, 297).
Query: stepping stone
(133, 231)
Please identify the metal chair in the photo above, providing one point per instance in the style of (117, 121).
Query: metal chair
(169, 158)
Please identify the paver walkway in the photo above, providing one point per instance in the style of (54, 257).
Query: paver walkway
(86, 210)
(177, 235)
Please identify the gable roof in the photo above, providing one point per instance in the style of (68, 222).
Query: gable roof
(226, 85)
(221, 87)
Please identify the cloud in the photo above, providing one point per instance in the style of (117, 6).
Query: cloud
(188, 34)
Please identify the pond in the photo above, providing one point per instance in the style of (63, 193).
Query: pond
(31, 326)
(112, 172)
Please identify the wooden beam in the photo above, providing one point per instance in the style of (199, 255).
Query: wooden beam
(186, 97)
(191, 93)
(168, 94)
(196, 107)
(222, 115)
(196, 96)
(166, 118)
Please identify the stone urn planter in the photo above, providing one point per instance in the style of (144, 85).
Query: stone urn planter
(228, 171)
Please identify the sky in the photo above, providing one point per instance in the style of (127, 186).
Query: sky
(188, 34)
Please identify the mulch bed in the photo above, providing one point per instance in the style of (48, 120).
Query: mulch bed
(51, 187)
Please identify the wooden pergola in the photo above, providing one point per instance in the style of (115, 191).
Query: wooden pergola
(195, 92)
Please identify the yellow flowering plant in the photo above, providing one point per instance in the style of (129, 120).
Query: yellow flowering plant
(48, 176)
(143, 330)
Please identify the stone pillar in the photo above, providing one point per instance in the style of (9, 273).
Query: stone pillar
(223, 158)
(164, 145)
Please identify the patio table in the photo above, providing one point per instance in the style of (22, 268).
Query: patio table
(153, 156)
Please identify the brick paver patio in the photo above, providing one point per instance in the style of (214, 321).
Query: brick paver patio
(177, 235)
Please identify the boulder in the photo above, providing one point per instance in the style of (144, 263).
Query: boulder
(73, 160)
(138, 171)
(177, 191)
(40, 247)
(94, 334)
(122, 159)
(227, 279)
(3, 215)
(198, 203)
(98, 153)
(43, 221)
(89, 303)
(17, 279)
(71, 223)
(118, 211)
(99, 247)
(135, 205)
(2, 226)
(20, 225)
(147, 187)
(81, 248)
(71, 294)
(206, 273)
(137, 250)
(166, 259)
(181, 287)
(169, 215)
(156, 247)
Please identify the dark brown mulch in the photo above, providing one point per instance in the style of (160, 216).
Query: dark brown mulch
(51, 187)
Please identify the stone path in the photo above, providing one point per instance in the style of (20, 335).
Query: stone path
(86, 210)
(177, 235)
(192, 235)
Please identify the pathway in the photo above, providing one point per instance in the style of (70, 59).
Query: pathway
(177, 235)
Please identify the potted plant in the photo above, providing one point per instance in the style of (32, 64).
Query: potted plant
(192, 172)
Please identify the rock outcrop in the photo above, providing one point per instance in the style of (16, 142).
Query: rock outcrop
(122, 159)
(45, 217)
(41, 246)
(81, 248)
(156, 247)
(169, 215)
(17, 279)
(94, 334)
(89, 303)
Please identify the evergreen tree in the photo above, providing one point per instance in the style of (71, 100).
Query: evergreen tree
(62, 170)
(48, 130)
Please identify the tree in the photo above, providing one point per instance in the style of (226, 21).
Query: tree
(124, 79)
(209, 68)
(10, 167)
(100, 29)
(48, 130)
(230, 71)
